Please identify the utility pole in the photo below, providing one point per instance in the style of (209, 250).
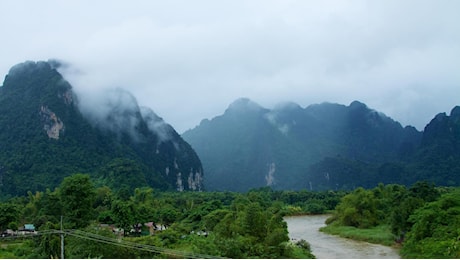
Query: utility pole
(62, 241)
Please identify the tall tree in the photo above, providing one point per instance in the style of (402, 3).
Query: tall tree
(8, 213)
(124, 214)
(358, 209)
(77, 195)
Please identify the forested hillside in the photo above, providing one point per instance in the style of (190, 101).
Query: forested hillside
(45, 137)
(322, 146)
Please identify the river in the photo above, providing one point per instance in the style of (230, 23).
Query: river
(329, 246)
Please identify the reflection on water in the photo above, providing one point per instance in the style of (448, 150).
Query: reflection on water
(329, 246)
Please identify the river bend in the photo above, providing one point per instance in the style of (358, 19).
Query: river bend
(329, 246)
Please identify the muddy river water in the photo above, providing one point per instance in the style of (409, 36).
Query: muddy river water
(329, 246)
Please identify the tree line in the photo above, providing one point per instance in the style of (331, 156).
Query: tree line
(423, 218)
(221, 224)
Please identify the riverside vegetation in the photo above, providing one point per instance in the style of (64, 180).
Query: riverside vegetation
(216, 224)
(424, 218)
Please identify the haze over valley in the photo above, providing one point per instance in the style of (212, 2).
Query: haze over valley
(214, 129)
(189, 61)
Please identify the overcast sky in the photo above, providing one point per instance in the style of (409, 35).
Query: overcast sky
(188, 60)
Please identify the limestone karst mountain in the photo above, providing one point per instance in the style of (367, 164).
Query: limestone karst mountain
(322, 146)
(45, 137)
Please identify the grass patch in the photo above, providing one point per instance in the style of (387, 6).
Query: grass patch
(299, 253)
(377, 235)
(8, 248)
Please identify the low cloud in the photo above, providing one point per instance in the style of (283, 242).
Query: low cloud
(115, 109)
(188, 61)
(156, 124)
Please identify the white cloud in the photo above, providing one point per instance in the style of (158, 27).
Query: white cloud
(188, 60)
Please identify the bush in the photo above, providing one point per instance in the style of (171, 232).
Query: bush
(315, 208)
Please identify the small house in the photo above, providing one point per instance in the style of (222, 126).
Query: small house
(29, 227)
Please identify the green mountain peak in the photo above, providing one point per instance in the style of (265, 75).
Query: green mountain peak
(47, 136)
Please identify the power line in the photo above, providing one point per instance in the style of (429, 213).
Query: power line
(116, 242)
(137, 246)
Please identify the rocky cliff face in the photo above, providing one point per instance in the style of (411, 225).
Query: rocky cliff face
(46, 136)
(51, 123)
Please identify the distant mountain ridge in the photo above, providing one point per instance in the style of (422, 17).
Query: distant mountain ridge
(47, 134)
(46, 137)
(438, 158)
(322, 146)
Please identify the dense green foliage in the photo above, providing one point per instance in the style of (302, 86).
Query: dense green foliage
(425, 219)
(436, 229)
(47, 136)
(218, 224)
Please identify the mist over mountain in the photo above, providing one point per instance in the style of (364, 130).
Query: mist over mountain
(50, 132)
(322, 146)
